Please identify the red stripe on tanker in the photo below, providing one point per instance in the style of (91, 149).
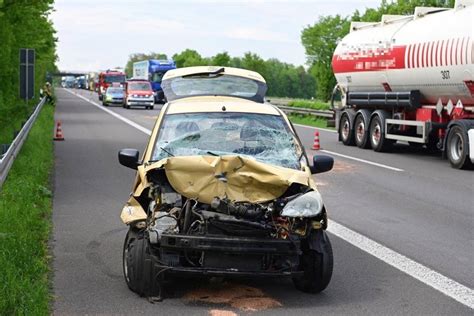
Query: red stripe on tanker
(370, 60)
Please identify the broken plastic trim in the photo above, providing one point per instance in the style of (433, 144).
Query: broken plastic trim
(307, 205)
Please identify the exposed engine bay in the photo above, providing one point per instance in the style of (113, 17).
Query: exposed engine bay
(224, 237)
(172, 219)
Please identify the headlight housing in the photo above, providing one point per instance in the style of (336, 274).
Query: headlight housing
(307, 205)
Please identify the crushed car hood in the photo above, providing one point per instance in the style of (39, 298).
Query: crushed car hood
(237, 178)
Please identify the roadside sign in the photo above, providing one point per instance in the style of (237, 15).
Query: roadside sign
(27, 73)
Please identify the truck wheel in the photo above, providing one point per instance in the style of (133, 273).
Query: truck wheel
(134, 252)
(456, 149)
(361, 136)
(377, 136)
(346, 131)
(317, 266)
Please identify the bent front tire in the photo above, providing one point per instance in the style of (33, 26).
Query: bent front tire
(133, 261)
(317, 265)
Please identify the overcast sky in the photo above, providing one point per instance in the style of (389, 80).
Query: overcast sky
(96, 35)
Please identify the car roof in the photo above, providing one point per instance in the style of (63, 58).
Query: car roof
(219, 104)
(180, 72)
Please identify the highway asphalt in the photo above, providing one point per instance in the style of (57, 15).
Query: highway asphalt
(411, 202)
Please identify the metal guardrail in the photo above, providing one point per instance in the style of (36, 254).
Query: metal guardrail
(7, 159)
(296, 110)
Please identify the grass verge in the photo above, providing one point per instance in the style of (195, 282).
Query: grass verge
(25, 224)
(309, 120)
(307, 104)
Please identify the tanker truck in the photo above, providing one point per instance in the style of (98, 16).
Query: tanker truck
(409, 79)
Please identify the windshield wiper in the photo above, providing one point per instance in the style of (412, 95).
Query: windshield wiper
(212, 154)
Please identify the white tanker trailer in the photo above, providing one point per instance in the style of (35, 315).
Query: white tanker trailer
(409, 78)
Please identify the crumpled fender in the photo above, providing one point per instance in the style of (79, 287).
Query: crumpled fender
(237, 178)
(132, 211)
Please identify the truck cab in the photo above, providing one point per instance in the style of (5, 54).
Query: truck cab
(138, 93)
(107, 78)
(153, 70)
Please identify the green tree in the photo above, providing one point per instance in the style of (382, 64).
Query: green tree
(320, 41)
(283, 80)
(254, 62)
(401, 7)
(221, 59)
(23, 24)
(141, 56)
(188, 58)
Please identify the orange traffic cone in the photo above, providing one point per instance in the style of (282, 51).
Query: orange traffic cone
(316, 145)
(59, 132)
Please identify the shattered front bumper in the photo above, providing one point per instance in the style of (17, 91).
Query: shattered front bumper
(230, 256)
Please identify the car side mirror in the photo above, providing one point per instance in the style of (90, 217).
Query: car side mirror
(321, 164)
(129, 158)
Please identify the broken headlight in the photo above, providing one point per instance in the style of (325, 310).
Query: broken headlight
(306, 205)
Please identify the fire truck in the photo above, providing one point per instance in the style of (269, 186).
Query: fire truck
(409, 79)
(107, 78)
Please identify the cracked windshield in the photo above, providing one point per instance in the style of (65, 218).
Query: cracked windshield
(259, 136)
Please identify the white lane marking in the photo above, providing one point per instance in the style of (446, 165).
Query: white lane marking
(439, 282)
(350, 157)
(318, 128)
(363, 160)
(120, 117)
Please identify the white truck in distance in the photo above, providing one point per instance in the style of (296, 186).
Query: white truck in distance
(409, 78)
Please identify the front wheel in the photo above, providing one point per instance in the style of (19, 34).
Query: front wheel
(456, 149)
(317, 265)
(133, 261)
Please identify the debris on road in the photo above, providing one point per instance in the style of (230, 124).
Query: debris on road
(242, 297)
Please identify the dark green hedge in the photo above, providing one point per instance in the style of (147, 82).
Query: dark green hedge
(23, 24)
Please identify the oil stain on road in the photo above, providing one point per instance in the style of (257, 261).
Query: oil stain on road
(238, 296)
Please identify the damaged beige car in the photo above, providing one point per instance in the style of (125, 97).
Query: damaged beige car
(224, 188)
